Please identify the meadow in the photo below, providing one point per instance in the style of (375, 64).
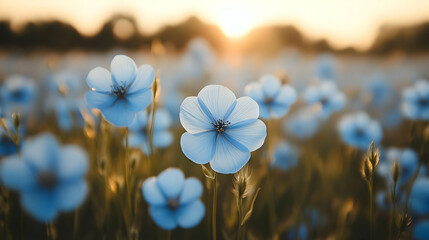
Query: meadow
(193, 144)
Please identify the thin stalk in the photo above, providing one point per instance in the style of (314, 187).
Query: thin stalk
(168, 235)
(392, 223)
(214, 207)
(371, 225)
(50, 231)
(240, 218)
(127, 178)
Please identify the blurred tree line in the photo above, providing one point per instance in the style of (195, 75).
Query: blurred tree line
(60, 36)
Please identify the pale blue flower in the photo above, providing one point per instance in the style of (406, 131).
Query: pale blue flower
(173, 200)
(415, 104)
(303, 124)
(49, 177)
(421, 230)
(408, 161)
(273, 99)
(162, 137)
(302, 232)
(17, 93)
(285, 156)
(358, 130)
(221, 129)
(327, 95)
(121, 94)
(379, 90)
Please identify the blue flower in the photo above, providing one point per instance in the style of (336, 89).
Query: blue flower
(173, 200)
(162, 137)
(415, 104)
(421, 230)
(273, 99)
(50, 178)
(408, 161)
(358, 130)
(17, 92)
(327, 95)
(285, 156)
(325, 67)
(221, 129)
(303, 124)
(302, 232)
(122, 93)
(419, 197)
(7, 146)
(378, 89)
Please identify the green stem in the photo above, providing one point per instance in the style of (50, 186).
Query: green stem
(214, 207)
(127, 176)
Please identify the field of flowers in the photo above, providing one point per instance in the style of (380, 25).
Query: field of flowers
(198, 145)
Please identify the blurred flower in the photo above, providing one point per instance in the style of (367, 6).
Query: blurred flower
(302, 232)
(327, 95)
(415, 104)
(384, 200)
(162, 137)
(421, 230)
(17, 93)
(419, 197)
(273, 99)
(358, 130)
(50, 178)
(408, 161)
(121, 94)
(173, 200)
(325, 67)
(198, 59)
(378, 90)
(221, 129)
(303, 124)
(285, 156)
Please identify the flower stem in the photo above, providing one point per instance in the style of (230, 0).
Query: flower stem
(371, 227)
(214, 206)
(240, 218)
(127, 175)
(50, 231)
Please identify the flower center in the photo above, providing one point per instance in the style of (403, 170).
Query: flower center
(47, 179)
(423, 102)
(173, 204)
(324, 101)
(221, 125)
(119, 90)
(360, 132)
(268, 100)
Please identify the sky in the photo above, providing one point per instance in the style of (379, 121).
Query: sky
(342, 22)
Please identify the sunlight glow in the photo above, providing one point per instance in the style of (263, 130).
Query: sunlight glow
(235, 20)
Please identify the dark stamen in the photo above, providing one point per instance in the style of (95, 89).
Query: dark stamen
(423, 102)
(173, 204)
(268, 100)
(47, 179)
(220, 125)
(119, 90)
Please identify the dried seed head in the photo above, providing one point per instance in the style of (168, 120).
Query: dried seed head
(373, 155)
(242, 183)
(366, 169)
(134, 159)
(396, 172)
(405, 222)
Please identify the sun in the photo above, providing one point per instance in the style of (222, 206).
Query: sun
(235, 20)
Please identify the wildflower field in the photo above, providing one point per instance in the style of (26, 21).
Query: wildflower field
(191, 142)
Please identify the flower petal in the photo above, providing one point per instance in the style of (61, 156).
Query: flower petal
(190, 215)
(99, 100)
(100, 79)
(286, 96)
(278, 110)
(163, 217)
(162, 120)
(245, 109)
(71, 195)
(254, 90)
(138, 101)
(40, 204)
(218, 100)
(170, 182)
(193, 118)
(40, 152)
(227, 158)
(118, 114)
(252, 135)
(72, 163)
(16, 174)
(270, 86)
(152, 194)
(144, 79)
(264, 111)
(199, 148)
(192, 190)
(162, 139)
(123, 69)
